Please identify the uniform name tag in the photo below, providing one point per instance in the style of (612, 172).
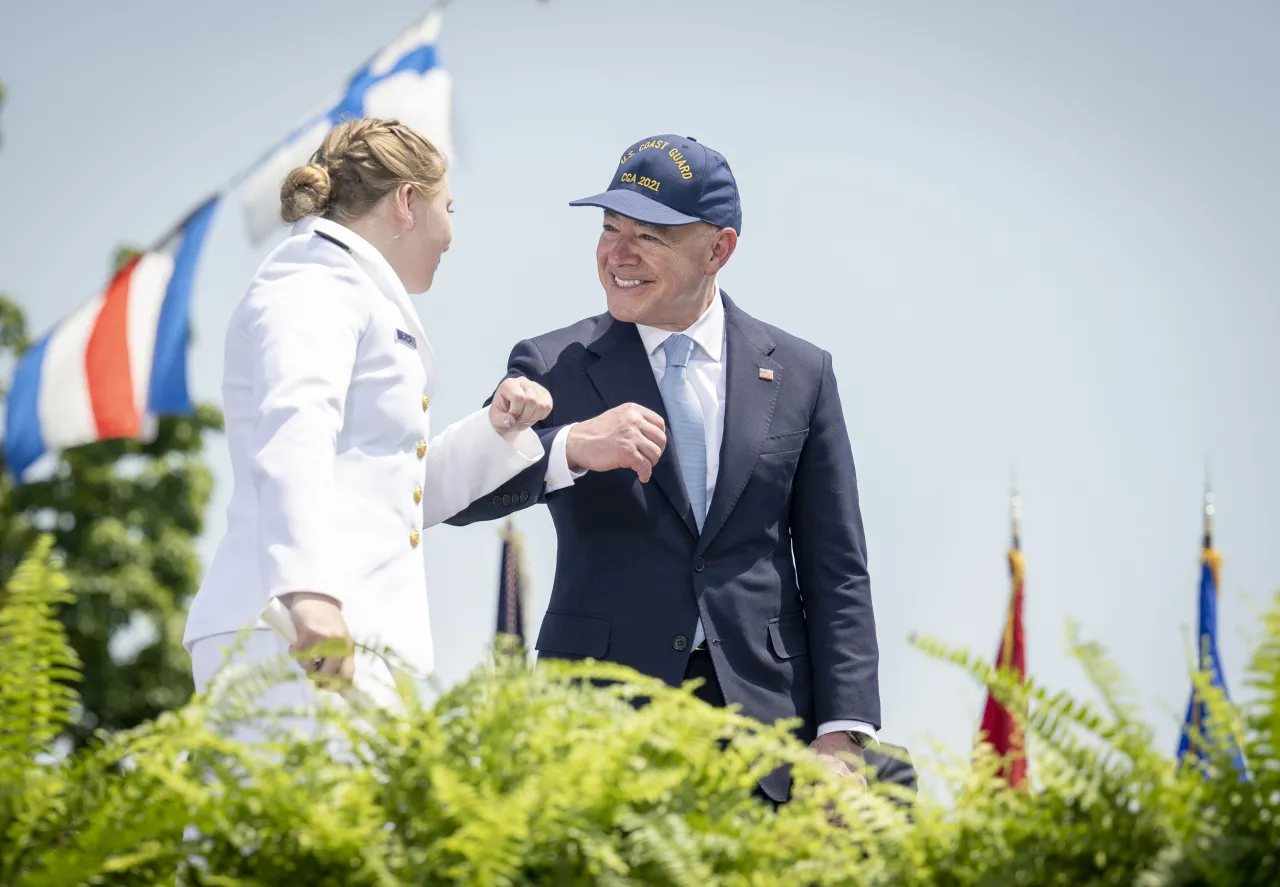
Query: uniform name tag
(406, 339)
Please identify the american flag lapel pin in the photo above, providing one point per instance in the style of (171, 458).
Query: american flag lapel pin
(765, 374)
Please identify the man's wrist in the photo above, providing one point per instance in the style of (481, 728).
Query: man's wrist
(570, 449)
(864, 733)
(839, 742)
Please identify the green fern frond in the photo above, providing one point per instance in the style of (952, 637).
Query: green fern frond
(1262, 677)
(1104, 675)
(38, 668)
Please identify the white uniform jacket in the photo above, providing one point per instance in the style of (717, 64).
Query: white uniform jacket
(326, 393)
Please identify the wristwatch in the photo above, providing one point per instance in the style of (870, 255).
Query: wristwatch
(861, 740)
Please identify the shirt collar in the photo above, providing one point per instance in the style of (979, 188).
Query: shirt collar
(707, 331)
(369, 255)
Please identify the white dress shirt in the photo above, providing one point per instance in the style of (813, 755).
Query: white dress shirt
(705, 372)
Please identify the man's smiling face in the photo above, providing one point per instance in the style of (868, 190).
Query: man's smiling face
(657, 275)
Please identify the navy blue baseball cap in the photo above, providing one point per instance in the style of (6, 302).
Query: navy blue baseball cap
(672, 180)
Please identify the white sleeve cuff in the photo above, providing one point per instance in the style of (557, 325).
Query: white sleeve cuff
(558, 474)
(526, 443)
(846, 726)
(470, 459)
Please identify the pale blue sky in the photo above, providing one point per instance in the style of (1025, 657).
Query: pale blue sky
(1031, 233)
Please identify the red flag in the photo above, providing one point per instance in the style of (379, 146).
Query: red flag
(998, 725)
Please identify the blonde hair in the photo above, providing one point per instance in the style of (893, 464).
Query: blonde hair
(357, 164)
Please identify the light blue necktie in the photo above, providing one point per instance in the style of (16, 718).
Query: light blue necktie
(685, 423)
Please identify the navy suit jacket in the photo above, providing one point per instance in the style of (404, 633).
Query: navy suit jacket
(778, 574)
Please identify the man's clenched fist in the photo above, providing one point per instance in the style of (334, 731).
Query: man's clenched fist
(628, 436)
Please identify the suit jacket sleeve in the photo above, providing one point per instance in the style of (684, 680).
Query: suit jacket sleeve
(528, 487)
(831, 565)
(305, 339)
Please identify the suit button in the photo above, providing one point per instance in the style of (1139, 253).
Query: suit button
(426, 402)
(506, 498)
(414, 538)
(417, 495)
(524, 497)
(699, 565)
(497, 501)
(422, 448)
(679, 642)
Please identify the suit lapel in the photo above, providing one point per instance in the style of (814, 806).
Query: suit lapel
(622, 374)
(749, 404)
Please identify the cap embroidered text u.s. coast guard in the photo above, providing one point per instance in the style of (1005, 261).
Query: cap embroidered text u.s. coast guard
(672, 180)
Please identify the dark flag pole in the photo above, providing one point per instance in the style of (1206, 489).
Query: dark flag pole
(511, 588)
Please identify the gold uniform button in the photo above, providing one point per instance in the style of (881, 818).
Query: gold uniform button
(422, 448)
(417, 495)
(426, 402)
(414, 538)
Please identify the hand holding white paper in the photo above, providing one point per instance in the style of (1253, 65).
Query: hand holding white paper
(276, 615)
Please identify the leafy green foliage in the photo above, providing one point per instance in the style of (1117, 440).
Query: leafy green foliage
(554, 775)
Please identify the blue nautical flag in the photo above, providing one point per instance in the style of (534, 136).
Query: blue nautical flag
(402, 81)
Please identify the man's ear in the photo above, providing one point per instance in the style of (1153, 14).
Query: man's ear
(723, 243)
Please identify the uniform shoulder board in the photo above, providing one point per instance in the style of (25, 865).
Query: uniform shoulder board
(333, 240)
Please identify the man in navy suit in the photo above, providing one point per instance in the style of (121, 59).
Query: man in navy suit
(699, 474)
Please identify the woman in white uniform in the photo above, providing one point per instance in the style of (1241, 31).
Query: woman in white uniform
(327, 389)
